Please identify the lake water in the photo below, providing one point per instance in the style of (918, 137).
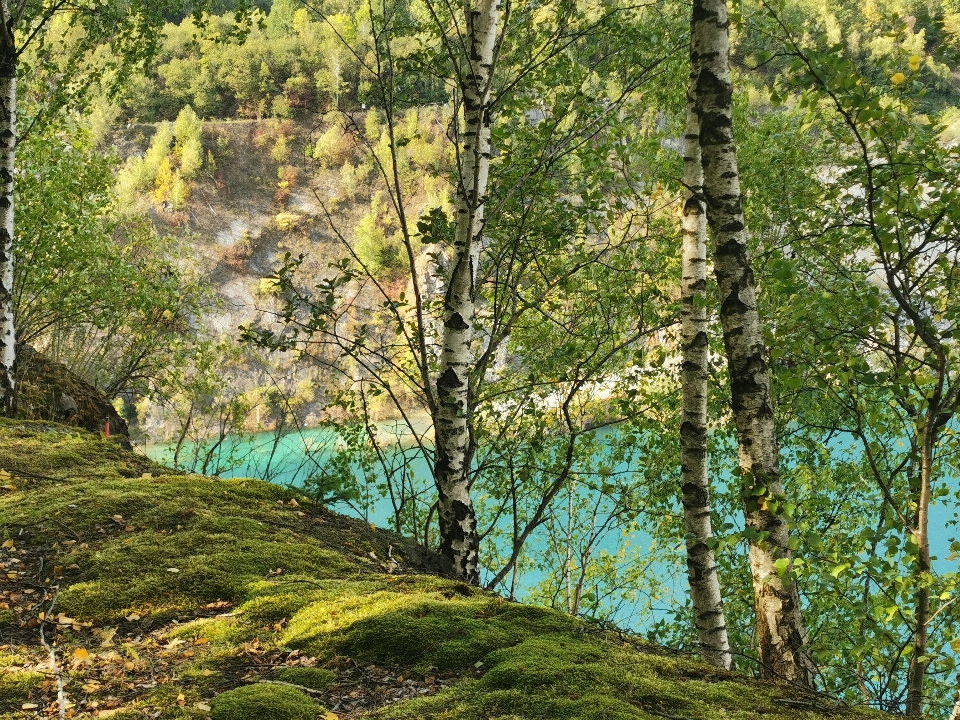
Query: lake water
(292, 458)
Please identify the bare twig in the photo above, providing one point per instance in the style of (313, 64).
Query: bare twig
(301, 688)
(61, 697)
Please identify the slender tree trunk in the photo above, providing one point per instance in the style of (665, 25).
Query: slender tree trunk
(458, 525)
(8, 128)
(705, 594)
(918, 659)
(955, 713)
(781, 635)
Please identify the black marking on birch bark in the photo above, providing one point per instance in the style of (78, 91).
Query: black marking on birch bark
(698, 341)
(733, 226)
(449, 380)
(456, 322)
(691, 433)
(698, 571)
(694, 495)
(459, 536)
(733, 306)
(701, 14)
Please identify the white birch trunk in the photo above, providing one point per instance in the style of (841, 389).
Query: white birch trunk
(955, 713)
(705, 594)
(458, 533)
(781, 634)
(8, 126)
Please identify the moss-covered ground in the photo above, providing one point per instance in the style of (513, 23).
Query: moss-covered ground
(164, 595)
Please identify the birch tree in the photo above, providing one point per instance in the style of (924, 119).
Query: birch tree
(705, 593)
(8, 130)
(458, 523)
(780, 632)
(878, 348)
(524, 229)
(131, 32)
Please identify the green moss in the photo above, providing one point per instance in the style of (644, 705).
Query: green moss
(315, 678)
(171, 542)
(422, 629)
(264, 700)
(179, 542)
(6, 617)
(153, 572)
(15, 686)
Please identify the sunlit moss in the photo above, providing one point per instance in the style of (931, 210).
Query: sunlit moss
(421, 629)
(167, 545)
(264, 700)
(15, 685)
(315, 678)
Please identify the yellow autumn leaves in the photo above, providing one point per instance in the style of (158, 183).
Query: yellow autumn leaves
(899, 78)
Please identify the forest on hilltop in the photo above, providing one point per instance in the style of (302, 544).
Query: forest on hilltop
(457, 258)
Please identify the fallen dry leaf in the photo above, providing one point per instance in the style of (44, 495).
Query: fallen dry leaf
(106, 635)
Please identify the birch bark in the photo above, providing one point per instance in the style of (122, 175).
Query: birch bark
(781, 634)
(705, 593)
(8, 124)
(454, 441)
(955, 713)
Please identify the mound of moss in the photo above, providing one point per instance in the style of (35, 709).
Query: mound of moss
(265, 700)
(191, 597)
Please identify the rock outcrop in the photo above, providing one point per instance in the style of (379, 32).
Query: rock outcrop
(51, 391)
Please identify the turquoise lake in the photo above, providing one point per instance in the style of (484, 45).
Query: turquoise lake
(290, 459)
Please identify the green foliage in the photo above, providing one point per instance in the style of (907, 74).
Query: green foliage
(140, 174)
(567, 272)
(188, 148)
(373, 248)
(858, 229)
(113, 332)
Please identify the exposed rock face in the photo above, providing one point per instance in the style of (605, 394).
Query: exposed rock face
(50, 391)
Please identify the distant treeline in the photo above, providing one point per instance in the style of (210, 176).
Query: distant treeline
(292, 64)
